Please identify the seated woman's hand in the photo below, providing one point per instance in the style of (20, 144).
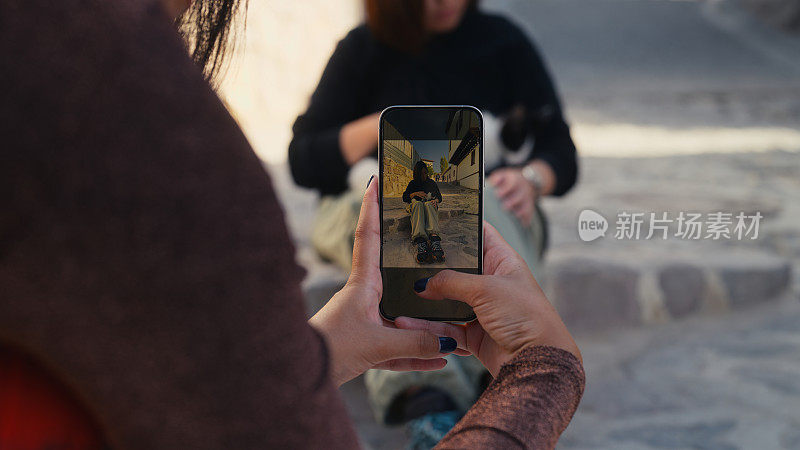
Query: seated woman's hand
(513, 312)
(357, 337)
(515, 192)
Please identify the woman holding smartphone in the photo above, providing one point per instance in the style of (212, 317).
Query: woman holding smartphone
(434, 52)
(149, 294)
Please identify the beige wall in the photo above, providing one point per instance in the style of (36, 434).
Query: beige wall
(395, 175)
(468, 173)
(278, 64)
(453, 168)
(465, 173)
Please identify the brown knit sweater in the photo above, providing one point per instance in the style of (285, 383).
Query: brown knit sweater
(144, 258)
(528, 405)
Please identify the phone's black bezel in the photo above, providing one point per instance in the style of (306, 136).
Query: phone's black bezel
(480, 197)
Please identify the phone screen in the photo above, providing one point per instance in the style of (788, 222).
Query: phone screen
(431, 204)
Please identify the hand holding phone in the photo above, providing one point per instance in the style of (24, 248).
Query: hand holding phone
(431, 204)
(513, 311)
(358, 339)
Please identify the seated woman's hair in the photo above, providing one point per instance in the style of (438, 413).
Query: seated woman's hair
(420, 171)
(399, 23)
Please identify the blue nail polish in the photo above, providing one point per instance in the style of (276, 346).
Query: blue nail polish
(370, 180)
(447, 344)
(420, 284)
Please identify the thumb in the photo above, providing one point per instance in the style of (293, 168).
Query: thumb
(397, 343)
(366, 248)
(449, 284)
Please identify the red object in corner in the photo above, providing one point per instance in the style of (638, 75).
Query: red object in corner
(38, 412)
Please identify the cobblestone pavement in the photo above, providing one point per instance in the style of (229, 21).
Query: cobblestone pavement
(728, 382)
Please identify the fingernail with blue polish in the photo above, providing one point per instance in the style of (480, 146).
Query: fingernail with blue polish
(447, 344)
(370, 180)
(420, 284)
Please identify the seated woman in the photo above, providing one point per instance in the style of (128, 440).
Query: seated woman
(424, 196)
(529, 153)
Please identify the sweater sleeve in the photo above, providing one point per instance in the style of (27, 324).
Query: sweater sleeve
(528, 405)
(315, 157)
(144, 260)
(435, 191)
(407, 193)
(536, 90)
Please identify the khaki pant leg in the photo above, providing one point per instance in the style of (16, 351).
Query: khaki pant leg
(384, 386)
(334, 226)
(432, 216)
(418, 220)
(527, 241)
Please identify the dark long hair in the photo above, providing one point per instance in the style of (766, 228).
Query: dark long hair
(399, 23)
(420, 171)
(209, 28)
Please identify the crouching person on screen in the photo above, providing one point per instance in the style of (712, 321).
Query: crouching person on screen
(424, 197)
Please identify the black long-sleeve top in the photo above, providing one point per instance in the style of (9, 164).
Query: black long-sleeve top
(486, 62)
(427, 186)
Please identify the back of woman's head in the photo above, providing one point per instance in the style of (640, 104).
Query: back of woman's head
(420, 171)
(209, 28)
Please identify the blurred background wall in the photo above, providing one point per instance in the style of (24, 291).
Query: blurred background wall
(277, 64)
(637, 79)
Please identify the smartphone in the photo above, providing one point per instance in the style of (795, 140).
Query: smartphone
(431, 204)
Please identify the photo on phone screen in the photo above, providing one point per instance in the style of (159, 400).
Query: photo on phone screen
(431, 204)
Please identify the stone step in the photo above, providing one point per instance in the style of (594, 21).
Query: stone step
(602, 289)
